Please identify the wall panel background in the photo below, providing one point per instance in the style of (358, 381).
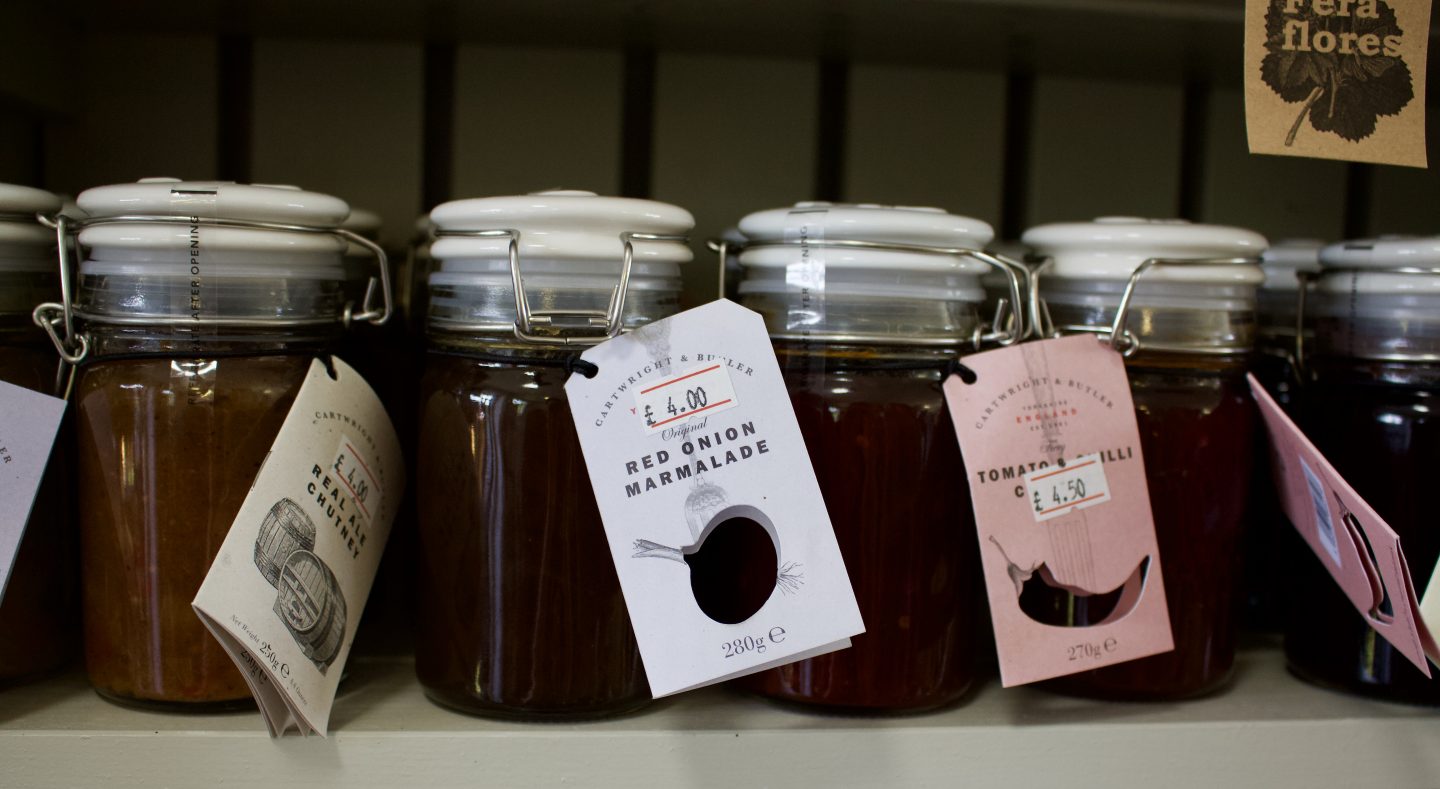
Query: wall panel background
(342, 118)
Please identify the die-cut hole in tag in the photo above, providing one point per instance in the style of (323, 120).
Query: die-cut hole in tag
(1380, 609)
(734, 565)
(1378, 599)
(1082, 608)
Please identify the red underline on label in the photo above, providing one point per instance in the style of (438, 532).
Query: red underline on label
(368, 472)
(355, 496)
(692, 413)
(1073, 504)
(1062, 470)
(678, 380)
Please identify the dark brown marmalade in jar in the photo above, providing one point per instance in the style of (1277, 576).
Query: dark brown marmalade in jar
(520, 613)
(864, 349)
(1193, 317)
(1370, 405)
(195, 354)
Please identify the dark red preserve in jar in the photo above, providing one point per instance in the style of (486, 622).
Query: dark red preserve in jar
(1189, 335)
(1369, 402)
(865, 334)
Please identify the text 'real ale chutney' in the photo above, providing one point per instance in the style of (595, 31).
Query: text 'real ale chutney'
(197, 340)
(865, 335)
(520, 609)
(1189, 334)
(1369, 402)
(38, 617)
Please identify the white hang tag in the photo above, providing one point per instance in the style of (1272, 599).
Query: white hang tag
(28, 424)
(663, 490)
(285, 592)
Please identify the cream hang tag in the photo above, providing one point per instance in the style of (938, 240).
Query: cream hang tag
(27, 433)
(691, 443)
(285, 592)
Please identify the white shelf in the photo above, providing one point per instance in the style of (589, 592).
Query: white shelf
(1267, 730)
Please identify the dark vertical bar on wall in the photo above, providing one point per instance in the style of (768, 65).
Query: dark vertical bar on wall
(1015, 166)
(1358, 181)
(37, 153)
(637, 122)
(830, 129)
(1194, 118)
(235, 112)
(437, 153)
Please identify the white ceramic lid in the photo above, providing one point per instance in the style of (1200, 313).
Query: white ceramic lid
(25, 244)
(364, 223)
(872, 222)
(1378, 254)
(563, 225)
(27, 200)
(280, 204)
(1111, 248)
(1285, 259)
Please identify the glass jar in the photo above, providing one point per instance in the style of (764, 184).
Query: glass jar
(865, 336)
(520, 610)
(197, 338)
(1284, 264)
(1370, 405)
(1189, 333)
(38, 618)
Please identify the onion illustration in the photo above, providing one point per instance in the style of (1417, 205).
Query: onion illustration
(734, 562)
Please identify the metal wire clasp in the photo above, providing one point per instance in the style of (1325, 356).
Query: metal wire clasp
(567, 327)
(1006, 328)
(1122, 339)
(73, 347)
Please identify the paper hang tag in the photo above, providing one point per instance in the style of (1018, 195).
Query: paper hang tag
(1354, 543)
(1337, 79)
(1057, 480)
(28, 424)
(669, 492)
(285, 592)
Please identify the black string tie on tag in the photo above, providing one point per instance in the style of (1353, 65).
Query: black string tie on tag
(954, 367)
(574, 364)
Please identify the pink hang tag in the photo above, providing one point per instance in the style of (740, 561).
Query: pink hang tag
(1052, 451)
(1356, 546)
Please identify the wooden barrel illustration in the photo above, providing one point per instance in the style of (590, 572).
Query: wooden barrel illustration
(310, 604)
(285, 530)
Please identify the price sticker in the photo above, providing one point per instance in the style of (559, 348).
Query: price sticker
(1060, 491)
(705, 389)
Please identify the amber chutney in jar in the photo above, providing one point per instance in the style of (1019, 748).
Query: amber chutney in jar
(38, 618)
(1190, 333)
(1369, 402)
(520, 613)
(865, 337)
(197, 339)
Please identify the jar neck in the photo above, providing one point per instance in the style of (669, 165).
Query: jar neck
(821, 318)
(498, 348)
(1164, 319)
(111, 342)
(1402, 327)
(1371, 372)
(802, 354)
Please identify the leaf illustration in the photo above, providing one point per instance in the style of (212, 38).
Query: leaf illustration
(1343, 91)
